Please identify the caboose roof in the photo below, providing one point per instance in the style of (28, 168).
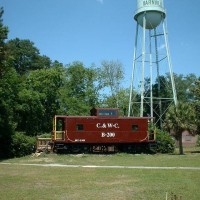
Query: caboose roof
(96, 117)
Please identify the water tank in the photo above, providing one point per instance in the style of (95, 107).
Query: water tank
(153, 10)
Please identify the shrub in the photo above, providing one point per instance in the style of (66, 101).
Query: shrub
(165, 143)
(44, 135)
(22, 145)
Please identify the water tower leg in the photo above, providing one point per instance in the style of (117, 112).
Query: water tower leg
(151, 76)
(133, 71)
(158, 76)
(143, 66)
(170, 64)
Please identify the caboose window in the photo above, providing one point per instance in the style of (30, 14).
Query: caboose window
(79, 127)
(135, 127)
(107, 112)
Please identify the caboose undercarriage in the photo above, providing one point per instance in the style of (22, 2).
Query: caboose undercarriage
(104, 148)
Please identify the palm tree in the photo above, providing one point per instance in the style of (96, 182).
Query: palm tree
(181, 118)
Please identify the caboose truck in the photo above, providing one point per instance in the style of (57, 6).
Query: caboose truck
(103, 131)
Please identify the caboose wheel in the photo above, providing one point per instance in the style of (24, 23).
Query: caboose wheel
(76, 149)
(54, 150)
(86, 149)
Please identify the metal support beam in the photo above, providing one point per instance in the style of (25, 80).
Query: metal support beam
(170, 64)
(143, 65)
(133, 71)
(151, 77)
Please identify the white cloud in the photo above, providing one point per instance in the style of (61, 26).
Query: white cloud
(100, 1)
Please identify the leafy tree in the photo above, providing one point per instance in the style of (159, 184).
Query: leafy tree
(8, 90)
(34, 99)
(79, 93)
(185, 86)
(111, 75)
(30, 111)
(123, 98)
(3, 37)
(161, 90)
(196, 92)
(39, 99)
(24, 56)
(181, 118)
(8, 84)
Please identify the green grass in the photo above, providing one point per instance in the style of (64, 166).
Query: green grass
(174, 160)
(34, 182)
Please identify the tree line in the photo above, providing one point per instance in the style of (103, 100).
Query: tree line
(33, 88)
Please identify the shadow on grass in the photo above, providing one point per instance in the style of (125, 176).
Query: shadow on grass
(195, 151)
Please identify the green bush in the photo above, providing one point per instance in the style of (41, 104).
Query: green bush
(44, 135)
(22, 144)
(165, 143)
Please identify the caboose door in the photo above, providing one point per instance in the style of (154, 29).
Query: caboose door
(59, 128)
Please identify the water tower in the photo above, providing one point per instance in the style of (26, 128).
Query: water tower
(151, 61)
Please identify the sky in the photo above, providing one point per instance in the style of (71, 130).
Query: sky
(91, 31)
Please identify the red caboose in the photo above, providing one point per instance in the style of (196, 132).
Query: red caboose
(103, 131)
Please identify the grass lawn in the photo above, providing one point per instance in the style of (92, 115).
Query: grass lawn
(35, 182)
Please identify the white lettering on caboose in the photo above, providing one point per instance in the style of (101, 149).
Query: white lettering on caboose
(107, 125)
(108, 134)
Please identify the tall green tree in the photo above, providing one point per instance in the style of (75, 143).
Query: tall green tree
(111, 75)
(181, 118)
(184, 86)
(33, 102)
(161, 90)
(196, 92)
(24, 56)
(123, 98)
(39, 99)
(8, 90)
(3, 37)
(80, 92)
(9, 87)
